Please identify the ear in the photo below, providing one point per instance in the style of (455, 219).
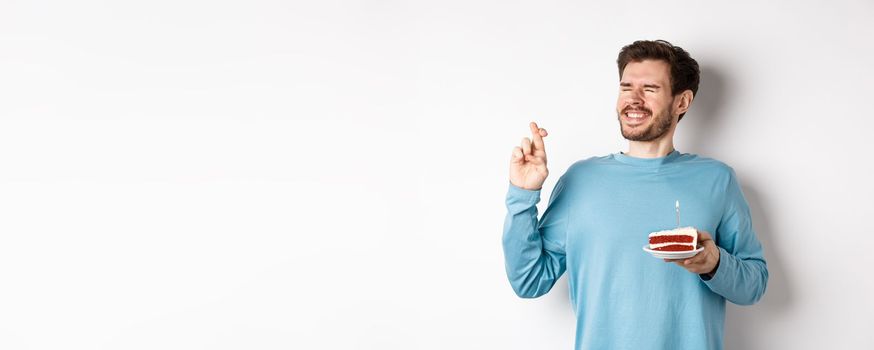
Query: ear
(683, 101)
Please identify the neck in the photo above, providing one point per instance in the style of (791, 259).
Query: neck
(652, 149)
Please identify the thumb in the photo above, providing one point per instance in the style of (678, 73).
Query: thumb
(517, 157)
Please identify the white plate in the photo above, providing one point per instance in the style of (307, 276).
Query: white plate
(673, 255)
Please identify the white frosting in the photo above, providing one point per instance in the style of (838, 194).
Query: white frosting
(688, 231)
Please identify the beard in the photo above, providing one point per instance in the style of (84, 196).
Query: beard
(660, 125)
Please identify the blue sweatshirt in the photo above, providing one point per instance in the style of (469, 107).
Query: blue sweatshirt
(595, 226)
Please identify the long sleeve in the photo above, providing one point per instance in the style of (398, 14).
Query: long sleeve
(534, 251)
(742, 274)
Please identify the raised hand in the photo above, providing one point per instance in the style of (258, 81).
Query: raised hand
(528, 163)
(704, 262)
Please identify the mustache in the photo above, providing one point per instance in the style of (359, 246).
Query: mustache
(637, 109)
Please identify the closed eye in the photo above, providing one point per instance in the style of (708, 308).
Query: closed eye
(651, 87)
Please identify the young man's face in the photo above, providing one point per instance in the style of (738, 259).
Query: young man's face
(645, 103)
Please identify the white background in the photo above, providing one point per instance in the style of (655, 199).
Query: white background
(331, 175)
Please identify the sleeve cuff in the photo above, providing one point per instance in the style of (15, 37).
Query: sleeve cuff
(521, 193)
(519, 200)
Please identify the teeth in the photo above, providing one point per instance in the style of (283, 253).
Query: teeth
(635, 115)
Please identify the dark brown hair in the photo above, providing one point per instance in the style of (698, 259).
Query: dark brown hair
(684, 69)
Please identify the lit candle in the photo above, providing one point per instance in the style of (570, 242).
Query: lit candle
(678, 213)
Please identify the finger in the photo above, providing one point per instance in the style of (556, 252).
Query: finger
(526, 145)
(695, 260)
(696, 268)
(680, 263)
(537, 135)
(692, 267)
(534, 159)
(688, 262)
(517, 154)
(704, 236)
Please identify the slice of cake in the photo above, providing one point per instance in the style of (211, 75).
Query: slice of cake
(677, 240)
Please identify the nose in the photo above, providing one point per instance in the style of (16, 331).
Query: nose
(634, 98)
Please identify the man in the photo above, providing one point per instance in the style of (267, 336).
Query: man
(602, 209)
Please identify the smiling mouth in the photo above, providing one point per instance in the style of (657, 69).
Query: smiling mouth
(635, 116)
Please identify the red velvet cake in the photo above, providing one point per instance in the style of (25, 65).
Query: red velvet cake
(677, 240)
